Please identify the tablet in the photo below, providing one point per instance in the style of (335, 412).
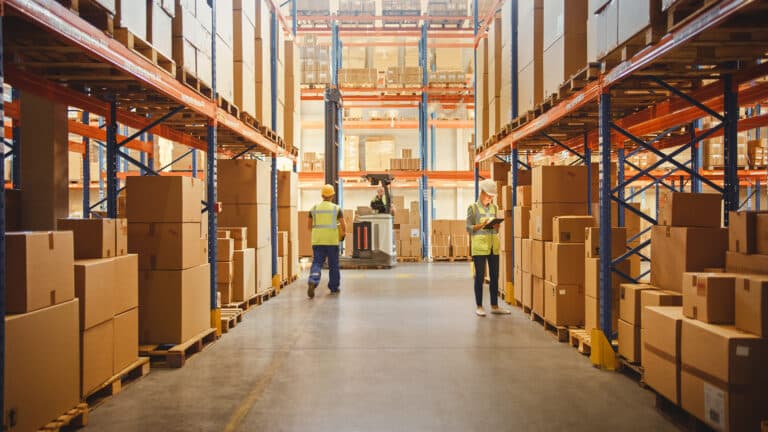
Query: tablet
(493, 223)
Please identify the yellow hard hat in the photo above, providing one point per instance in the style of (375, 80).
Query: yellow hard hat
(327, 191)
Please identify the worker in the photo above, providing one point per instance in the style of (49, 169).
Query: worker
(379, 204)
(326, 221)
(485, 246)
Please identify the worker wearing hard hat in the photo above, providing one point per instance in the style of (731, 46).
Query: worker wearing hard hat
(379, 203)
(326, 221)
(485, 245)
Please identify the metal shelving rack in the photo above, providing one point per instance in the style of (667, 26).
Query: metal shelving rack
(135, 93)
(652, 95)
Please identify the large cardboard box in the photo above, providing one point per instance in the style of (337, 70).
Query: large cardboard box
(751, 304)
(742, 263)
(527, 253)
(592, 278)
(305, 235)
(762, 233)
(677, 250)
(629, 341)
(95, 287)
(541, 217)
(244, 277)
(167, 246)
(564, 263)
(243, 181)
(164, 199)
(689, 209)
(527, 293)
(126, 292)
(126, 340)
(121, 236)
(29, 288)
(42, 370)
(255, 217)
(560, 184)
(570, 229)
(174, 305)
(518, 285)
(564, 41)
(592, 313)
(742, 231)
(94, 238)
(224, 271)
(263, 269)
(538, 305)
(524, 197)
(723, 377)
(521, 221)
(661, 350)
(592, 242)
(538, 259)
(518, 252)
(563, 304)
(709, 297)
(224, 249)
(287, 189)
(629, 302)
(97, 348)
(657, 297)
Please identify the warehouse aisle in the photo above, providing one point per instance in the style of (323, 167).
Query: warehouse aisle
(398, 350)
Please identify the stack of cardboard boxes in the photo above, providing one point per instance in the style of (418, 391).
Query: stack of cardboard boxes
(633, 299)
(42, 325)
(592, 275)
(312, 162)
(449, 238)
(282, 254)
(522, 264)
(107, 285)
(406, 163)
(407, 226)
(288, 220)
(243, 189)
(236, 265)
(167, 231)
(564, 42)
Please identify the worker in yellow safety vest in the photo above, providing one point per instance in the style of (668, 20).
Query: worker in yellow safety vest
(326, 221)
(485, 245)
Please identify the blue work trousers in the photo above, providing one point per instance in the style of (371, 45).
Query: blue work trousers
(320, 253)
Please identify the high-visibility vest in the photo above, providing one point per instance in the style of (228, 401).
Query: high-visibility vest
(325, 224)
(484, 241)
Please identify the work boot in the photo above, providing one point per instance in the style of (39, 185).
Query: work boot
(335, 292)
(499, 311)
(311, 289)
(480, 311)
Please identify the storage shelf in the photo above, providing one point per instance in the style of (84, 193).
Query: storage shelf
(397, 124)
(398, 175)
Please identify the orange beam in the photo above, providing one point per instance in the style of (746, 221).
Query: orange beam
(93, 132)
(397, 124)
(485, 23)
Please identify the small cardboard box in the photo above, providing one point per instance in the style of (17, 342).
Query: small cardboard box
(751, 304)
(402, 217)
(592, 278)
(167, 246)
(560, 184)
(563, 304)
(126, 346)
(244, 277)
(42, 370)
(225, 248)
(571, 229)
(164, 198)
(540, 222)
(661, 349)
(521, 221)
(29, 288)
(564, 263)
(224, 271)
(500, 171)
(524, 196)
(95, 287)
(629, 302)
(629, 341)
(94, 238)
(126, 283)
(538, 260)
(742, 263)
(742, 231)
(592, 242)
(677, 250)
(538, 305)
(657, 297)
(121, 237)
(237, 233)
(287, 189)
(689, 209)
(709, 297)
(282, 243)
(98, 351)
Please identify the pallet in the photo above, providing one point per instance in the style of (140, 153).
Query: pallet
(561, 332)
(578, 81)
(244, 305)
(191, 81)
(526, 309)
(174, 356)
(684, 11)
(93, 13)
(678, 416)
(580, 339)
(536, 318)
(228, 106)
(133, 372)
(268, 133)
(629, 48)
(230, 317)
(146, 50)
(634, 370)
(249, 120)
(75, 418)
(409, 259)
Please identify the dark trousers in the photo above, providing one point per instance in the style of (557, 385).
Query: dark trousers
(321, 253)
(493, 269)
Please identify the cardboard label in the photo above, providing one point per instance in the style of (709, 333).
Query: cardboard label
(742, 351)
(714, 406)
(562, 292)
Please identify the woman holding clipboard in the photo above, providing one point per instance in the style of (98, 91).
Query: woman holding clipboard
(483, 227)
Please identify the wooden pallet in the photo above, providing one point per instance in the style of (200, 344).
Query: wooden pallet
(536, 318)
(249, 120)
(634, 370)
(268, 133)
(578, 81)
(133, 372)
(685, 10)
(228, 106)
(409, 259)
(174, 356)
(230, 317)
(580, 339)
(75, 418)
(526, 309)
(561, 332)
(93, 13)
(629, 48)
(678, 416)
(191, 81)
(146, 50)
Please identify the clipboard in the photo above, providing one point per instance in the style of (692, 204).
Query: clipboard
(493, 223)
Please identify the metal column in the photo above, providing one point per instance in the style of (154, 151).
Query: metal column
(112, 150)
(475, 26)
(697, 156)
(273, 29)
(605, 214)
(423, 121)
(86, 170)
(730, 148)
(620, 179)
(211, 174)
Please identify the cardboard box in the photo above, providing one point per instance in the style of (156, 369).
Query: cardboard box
(527, 293)
(282, 243)
(225, 248)
(570, 229)
(709, 297)
(527, 253)
(95, 287)
(657, 297)
(524, 197)
(629, 341)
(661, 349)
(224, 271)
(236, 233)
(244, 276)
(224, 290)
(521, 221)
(689, 209)
(121, 237)
(263, 269)
(751, 304)
(563, 304)
(402, 217)
(174, 305)
(287, 189)
(762, 234)
(517, 283)
(564, 263)
(167, 246)
(42, 371)
(592, 278)
(126, 340)
(28, 288)
(630, 303)
(500, 171)
(518, 253)
(97, 348)
(677, 250)
(592, 242)
(538, 305)
(741, 263)
(505, 198)
(164, 199)
(94, 238)
(742, 232)
(538, 259)
(560, 184)
(719, 407)
(126, 292)
(257, 219)
(243, 181)
(592, 313)
(541, 217)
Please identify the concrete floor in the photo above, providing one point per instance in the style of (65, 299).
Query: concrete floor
(398, 350)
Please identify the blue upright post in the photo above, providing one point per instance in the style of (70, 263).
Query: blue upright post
(605, 215)
(112, 150)
(211, 171)
(16, 162)
(758, 192)
(86, 170)
(193, 155)
(697, 155)
(273, 29)
(620, 179)
(432, 165)
(730, 150)
(294, 22)
(475, 26)
(102, 168)
(423, 121)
